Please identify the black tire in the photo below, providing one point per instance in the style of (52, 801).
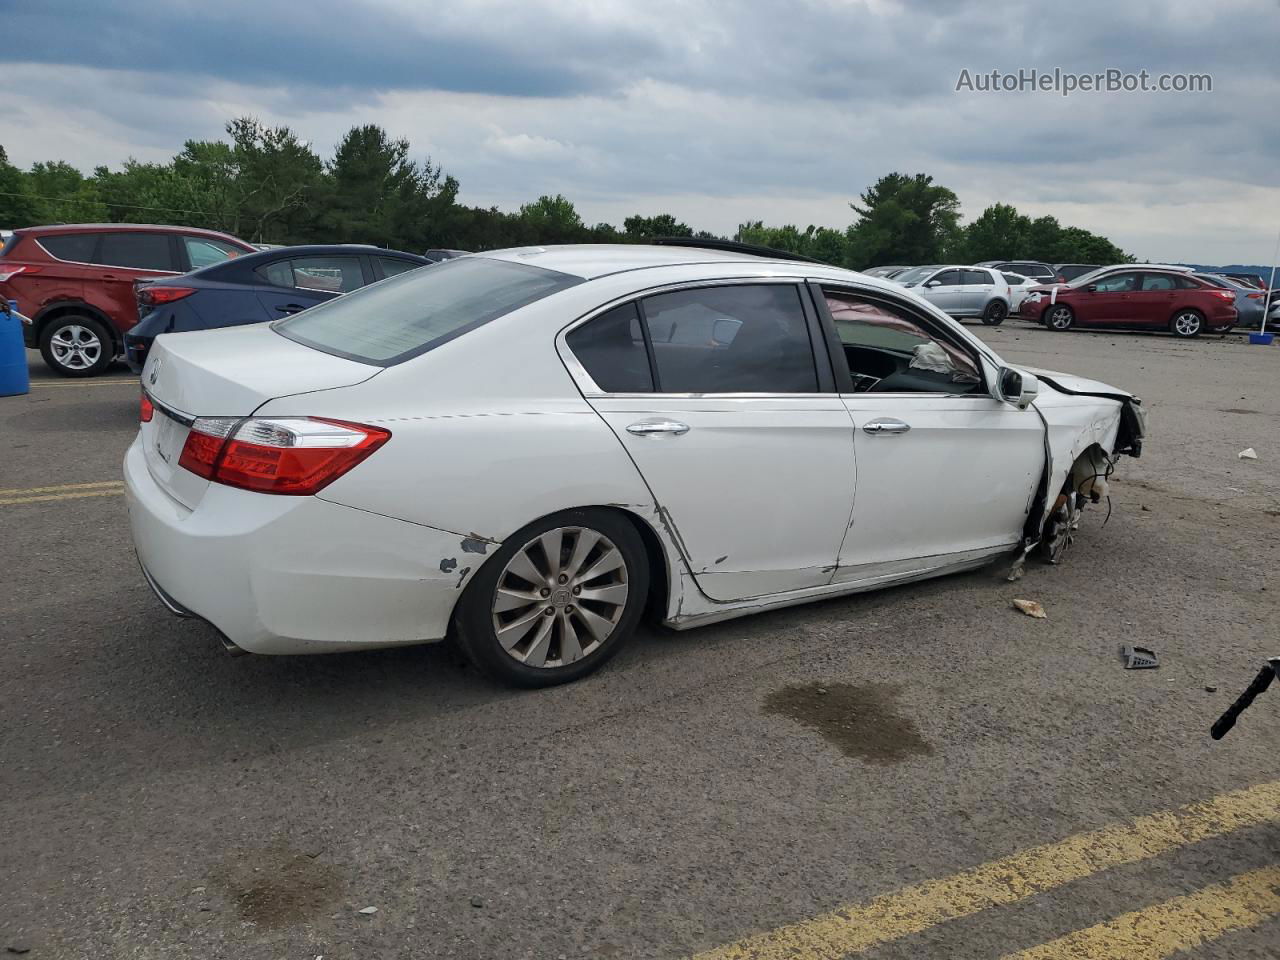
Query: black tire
(995, 313)
(474, 619)
(97, 348)
(1059, 317)
(1187, 324)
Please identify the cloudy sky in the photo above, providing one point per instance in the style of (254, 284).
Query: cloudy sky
(716, 111)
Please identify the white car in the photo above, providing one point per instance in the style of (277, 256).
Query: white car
(528, 447)
(1019, 287)
(961, 291)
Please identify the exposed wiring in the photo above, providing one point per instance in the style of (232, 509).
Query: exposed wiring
(106, 203)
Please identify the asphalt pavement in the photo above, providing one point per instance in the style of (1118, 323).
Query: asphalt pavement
(919, 772)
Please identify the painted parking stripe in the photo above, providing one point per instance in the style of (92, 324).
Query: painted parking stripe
(860, 926)
(1164, 929)
(107, 382)
(65, 491)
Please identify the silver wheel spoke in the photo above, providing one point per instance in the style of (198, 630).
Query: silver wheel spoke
(587, 539)
(570, 648)
(596, 625)
(611, 560)
(537, 655)
(524, 568)
(509, 600)
(512, 633)
(551, 542)
(615, 593)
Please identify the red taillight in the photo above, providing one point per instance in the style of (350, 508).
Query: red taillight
(1225, 295)
(287, 455)
(7, 273)
(146, 409)
(1255, 296)
(154, 296)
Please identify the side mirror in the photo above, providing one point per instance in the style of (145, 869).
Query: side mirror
(1018, 388)
(724, 330)
(1092, 288)
(934, 283)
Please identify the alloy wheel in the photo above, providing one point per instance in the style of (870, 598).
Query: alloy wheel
(75, 347)
(1187, 324)
(560, 597)
(1060, 318)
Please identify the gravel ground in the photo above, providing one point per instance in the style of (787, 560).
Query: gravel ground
(162, 800)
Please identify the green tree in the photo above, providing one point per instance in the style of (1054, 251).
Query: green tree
(903, 219)
(639, 228)
(551, 220)
(999, 233)
(17, 208)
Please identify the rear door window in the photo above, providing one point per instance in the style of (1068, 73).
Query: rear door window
(390, 322)
(327, 274)
(1157, 281)
(278, 274)
(393, 267)
(975, 277)
(203, 252)
(137, 250)
(75, 247)
(752, 338)
(611, 349)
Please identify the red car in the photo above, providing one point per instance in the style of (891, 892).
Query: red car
(1135, 298)
(75, 283)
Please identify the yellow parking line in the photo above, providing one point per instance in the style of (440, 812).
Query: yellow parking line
(858, 927)
(63, 496)
(58, 488)
(1182, 923)
(109, 382)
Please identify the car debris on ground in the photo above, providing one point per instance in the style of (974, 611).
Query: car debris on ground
(1032, 608)
(1248, 453)
(1138, 658)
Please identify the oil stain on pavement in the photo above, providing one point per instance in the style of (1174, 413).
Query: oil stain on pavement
(277, 886)
(860, 719)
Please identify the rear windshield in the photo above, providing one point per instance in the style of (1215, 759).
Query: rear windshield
(399, 318)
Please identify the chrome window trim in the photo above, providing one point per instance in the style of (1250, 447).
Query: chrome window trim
(49, 253)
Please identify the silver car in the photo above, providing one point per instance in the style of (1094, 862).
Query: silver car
(962, 291)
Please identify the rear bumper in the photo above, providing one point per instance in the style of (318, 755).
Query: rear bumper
(280, 575)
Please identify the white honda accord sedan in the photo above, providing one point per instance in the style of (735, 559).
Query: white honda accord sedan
(526, 449)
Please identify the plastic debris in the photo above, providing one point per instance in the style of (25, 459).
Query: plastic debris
(1248, 453)
(368, 911)
(1138, 658)
(1031, 608)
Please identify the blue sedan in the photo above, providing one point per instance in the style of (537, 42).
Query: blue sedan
(256, 288)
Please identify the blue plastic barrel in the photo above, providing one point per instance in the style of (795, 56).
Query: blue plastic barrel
(14, 378)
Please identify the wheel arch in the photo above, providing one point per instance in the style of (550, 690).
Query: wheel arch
(61, 308)
(663, 557)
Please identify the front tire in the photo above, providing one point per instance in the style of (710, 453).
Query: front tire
(995, 313)
(1059, 317)
(76, 346)
(557, 600)
(1186, 324)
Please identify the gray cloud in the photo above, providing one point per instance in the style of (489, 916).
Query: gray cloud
(729, 110)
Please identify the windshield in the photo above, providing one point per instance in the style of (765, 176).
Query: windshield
(1087, 278)
(914, 275)
(404, 316)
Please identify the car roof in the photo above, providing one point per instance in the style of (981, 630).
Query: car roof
(328, 249)
(591, 260)
(56, 228)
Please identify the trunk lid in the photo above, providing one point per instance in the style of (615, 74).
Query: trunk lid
(225, 373)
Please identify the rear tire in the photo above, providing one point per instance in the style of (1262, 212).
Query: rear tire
(76, 346)
(1186, 324)
(995, 313)
(552, 632)
(1059, 317)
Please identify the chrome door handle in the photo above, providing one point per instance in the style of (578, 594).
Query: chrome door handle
(647, 428)
(888, 426)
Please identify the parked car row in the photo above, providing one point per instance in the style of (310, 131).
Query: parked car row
(94, 292)
(1069, 295)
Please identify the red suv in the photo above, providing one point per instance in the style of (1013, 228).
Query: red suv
(75, 283)
(1133, 297)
